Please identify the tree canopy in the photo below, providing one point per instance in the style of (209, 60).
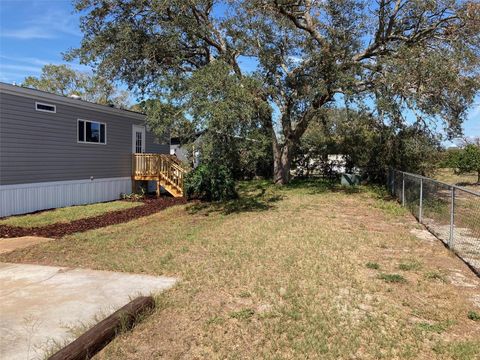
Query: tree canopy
(466, 159)
(367, 145)
(65, 81)
(388, 58)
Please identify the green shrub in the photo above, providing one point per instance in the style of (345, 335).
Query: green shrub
(210, 182)
(372, 265)
(473, 315)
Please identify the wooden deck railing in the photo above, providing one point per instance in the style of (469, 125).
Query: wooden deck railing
(158, 167)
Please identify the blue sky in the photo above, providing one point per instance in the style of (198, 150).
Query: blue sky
(36, 32)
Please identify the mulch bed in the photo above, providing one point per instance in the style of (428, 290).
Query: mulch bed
(149, 207)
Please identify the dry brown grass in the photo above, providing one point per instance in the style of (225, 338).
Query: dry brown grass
(282, 274)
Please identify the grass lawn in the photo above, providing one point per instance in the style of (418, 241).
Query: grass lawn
(303, 272)
(66, 214)
(467, 180)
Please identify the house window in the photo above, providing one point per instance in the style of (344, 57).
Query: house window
(45, 107)
(92, 132)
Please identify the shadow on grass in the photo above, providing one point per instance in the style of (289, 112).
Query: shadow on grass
(255, 195)
(466, 183)
(311, 186)
(261, 195)
(320, 186)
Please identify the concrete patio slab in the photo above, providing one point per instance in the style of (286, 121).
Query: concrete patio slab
(10, 244)
(41, 305)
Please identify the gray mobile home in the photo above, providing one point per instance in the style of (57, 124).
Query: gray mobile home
(58, 151)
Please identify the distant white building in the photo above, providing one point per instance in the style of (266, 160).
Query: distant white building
(181, 151)
(337, 162)
(316, 166)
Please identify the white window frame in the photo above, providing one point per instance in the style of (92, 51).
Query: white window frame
(45, 104)
(85, 132)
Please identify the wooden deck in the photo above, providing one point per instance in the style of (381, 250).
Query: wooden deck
(162, 168)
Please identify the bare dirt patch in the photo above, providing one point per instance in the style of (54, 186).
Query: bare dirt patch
(7, 245)
(58, 230)
(425, 235)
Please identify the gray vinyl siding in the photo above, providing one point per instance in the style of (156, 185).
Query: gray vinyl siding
(40, 147)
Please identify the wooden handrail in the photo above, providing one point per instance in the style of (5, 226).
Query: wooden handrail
(159, 166)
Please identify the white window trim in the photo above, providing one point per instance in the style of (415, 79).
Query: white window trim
(45, 104)
(85, 135)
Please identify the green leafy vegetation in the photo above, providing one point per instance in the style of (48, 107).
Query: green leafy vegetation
(210, 182)
(435, 275)
(438, 327)
(309, 57)
(63, 80)
(244, 314)
(372, 265)
(392, 278)
(466, 160)
(473, 315)
(410, 265)
(459, 350)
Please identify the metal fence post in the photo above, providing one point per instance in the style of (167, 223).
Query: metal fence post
(403, 189)
(420, 208)
(452, 217)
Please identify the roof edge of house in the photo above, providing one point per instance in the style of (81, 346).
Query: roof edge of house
(43, 95)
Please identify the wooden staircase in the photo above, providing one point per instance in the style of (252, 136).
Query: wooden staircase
(162, 168)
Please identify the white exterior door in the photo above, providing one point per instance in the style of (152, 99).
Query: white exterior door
(138, 139)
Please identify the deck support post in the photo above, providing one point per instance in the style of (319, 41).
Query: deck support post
(134, 186)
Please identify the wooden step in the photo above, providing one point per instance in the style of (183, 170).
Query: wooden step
(173, 190)
(167, 182)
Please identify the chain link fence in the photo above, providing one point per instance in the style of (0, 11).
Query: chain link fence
(450, 212)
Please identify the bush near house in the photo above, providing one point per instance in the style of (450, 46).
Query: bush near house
(210, 182)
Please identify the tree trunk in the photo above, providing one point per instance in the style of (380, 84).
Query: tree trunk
(282, 161)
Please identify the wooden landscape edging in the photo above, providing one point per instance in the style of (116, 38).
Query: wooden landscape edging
(96, 338)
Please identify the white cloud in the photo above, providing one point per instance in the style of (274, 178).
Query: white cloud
(26, 60)
(28, 33)
(17, 68)
(48, 24)
(23, 68)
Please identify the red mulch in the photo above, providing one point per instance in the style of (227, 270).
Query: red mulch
(149, 207)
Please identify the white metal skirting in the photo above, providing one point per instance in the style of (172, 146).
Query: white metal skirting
(25, 198)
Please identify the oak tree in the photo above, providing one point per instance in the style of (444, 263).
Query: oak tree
(390, 57)
(65, 81)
